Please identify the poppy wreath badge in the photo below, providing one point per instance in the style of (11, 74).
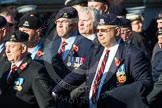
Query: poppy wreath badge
(40, 53)
(23, 66)
(75, 48)
(117, 62)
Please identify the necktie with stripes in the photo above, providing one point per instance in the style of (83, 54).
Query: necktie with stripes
(98, 78)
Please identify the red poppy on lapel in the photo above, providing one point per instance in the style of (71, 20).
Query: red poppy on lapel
(40, 53)
(117, 62)
(23, 66)
(75, 48)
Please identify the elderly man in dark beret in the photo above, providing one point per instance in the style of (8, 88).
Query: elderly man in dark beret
(24, 83)
(72, 48)
(117, 75)
(126, 30)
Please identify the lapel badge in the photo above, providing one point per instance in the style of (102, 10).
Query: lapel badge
(65, 15)
(13, 38)
(121, 75)
(26, 23)
(102, 22)
(18, 84)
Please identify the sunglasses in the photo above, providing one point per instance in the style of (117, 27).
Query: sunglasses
(104, 30)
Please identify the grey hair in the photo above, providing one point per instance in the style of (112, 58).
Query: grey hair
(94, 12)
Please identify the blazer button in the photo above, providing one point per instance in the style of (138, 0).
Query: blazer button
(87, 77)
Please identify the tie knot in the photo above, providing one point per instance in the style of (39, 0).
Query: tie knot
(14, 67)
(107, 52)
(64, 43)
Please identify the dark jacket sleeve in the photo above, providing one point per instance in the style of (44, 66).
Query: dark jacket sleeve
(41, 88)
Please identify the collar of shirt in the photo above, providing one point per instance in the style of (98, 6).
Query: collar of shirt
(91, 37)
(34, 50)
(70, 42)
(112, 54)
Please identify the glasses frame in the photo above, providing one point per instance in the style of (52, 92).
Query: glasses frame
(104, 30)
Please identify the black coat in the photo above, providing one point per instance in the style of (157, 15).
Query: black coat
(36, 86)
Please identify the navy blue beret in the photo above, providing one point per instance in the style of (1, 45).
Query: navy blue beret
(3, 21)
(17, 36)
(76, 2)
(109, 19)
(124, 22)
(31, 22)
(118, 10)
(67, 12)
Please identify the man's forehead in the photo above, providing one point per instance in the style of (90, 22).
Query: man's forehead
(105, 26)
(13, 43)
(159, 20)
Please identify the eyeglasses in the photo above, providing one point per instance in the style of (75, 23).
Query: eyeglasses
(124, 31)
(104, 30)
(62, 22)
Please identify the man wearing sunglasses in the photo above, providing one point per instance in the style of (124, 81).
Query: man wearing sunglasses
(116, 74)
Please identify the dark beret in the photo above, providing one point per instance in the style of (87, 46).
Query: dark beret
(102, 1)
(31, 22)
(3, 21)
(118, 10)
(109, 19)
(17, 36)
(159, 15)
(76, 2)
(125, 22)
(67, 12)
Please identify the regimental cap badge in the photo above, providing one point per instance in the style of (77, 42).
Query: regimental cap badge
(13, 38)
(102, 22)
(26, 23)
(65, 15)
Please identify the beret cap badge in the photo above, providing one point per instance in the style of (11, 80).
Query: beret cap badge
(65, 15)
(13, 38)
(26, 23)
(102, 22)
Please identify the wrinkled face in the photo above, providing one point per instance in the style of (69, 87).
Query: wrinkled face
(31, 32)
(14, 51)
(160, 41)
(107, 35)
(86, 24)
(97, 5)
(159, 24)
(125, 34)
(137, 26)
(64, 27)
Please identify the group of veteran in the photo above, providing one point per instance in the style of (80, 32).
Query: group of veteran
(108, 73)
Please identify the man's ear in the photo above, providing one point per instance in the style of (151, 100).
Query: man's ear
(24, 48)
(118, 30)
(106, 7)
(4, 32)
